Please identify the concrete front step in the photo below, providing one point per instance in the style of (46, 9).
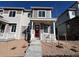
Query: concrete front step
(35, 42)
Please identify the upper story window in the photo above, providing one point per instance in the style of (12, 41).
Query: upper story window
(73, 12)
(29, 14)
(12, 13)
(41, 13)
(1, 11)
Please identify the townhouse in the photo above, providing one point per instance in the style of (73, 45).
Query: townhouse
(16, 21)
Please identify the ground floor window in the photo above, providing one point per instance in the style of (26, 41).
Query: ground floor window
(51, 29)
(46, 28)
(2, 27)
(13, 27)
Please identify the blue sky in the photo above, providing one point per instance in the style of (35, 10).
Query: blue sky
(59, 6)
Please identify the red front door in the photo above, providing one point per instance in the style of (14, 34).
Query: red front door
(37, 31)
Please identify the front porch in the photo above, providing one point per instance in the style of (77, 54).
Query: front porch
(2, 29)
(5, 32)
(43, 30)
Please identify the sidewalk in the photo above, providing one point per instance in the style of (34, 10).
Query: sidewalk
(34, 50)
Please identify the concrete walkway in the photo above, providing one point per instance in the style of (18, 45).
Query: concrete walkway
(35, 49)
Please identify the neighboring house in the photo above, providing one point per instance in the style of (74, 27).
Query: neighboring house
(16, 21)
(67, 25)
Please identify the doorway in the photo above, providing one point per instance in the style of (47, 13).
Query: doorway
(37, 31)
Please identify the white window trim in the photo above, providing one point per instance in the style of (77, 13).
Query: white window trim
(50, 14)
(13, 10)
(11, 29)
(38, 13)
(78, 6)
(2, 12)
(47, 29)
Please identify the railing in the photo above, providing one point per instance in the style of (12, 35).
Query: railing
(1, 34)
(48, 37)
(45, 36)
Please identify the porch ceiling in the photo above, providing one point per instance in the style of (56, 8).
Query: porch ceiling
(2, 20)
(42, 21)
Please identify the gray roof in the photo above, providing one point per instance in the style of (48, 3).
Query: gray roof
(15, 8)
(38, 7)
(73, 9)
(27, 10)
(11, 8)
(21, 8)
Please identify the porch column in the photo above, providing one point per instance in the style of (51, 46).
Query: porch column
(32, 34)
(6, 31)
(32, 24)
(54, 28)
(49, 29)
(54, 31)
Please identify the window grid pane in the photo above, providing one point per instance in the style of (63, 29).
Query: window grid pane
(46, 28)
(73, 12)
(13, 28)
(41, 13)
(12, 14)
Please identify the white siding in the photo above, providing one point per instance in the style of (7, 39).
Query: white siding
(48, 14)
(11, 19)
(25, 19)
(36, 14)
(21, 20)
